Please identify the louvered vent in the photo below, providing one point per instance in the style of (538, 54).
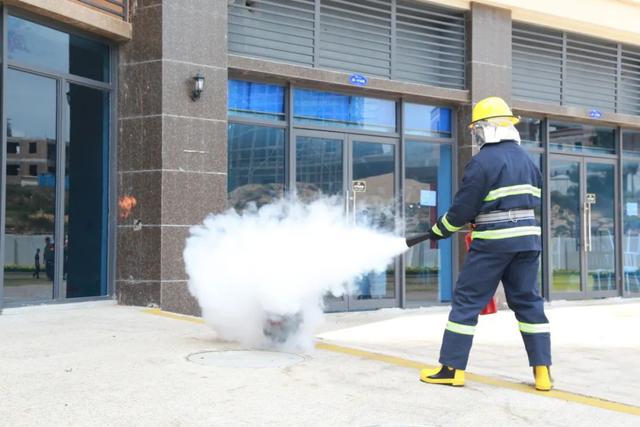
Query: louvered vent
(537, 64)
(629, 102)
(397, 39)
(356, 36)
(430, 45)
(591, 73)
(570, 69)
(276, 29)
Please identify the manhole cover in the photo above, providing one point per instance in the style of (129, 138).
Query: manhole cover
(245, 359)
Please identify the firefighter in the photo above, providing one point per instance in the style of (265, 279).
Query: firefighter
(500, 189)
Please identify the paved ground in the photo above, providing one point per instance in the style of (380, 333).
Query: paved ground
(100, 364)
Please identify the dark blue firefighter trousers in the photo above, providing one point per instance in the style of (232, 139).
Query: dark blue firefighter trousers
(476, 285)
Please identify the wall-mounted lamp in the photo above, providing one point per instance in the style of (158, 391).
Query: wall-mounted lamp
(198, 86)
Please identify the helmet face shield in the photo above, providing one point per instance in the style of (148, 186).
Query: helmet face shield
(477, 134)
(493, 131)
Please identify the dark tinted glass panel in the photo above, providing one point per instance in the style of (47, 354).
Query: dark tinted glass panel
(427, 195)
(40, 46)
(256, 164)
(631, 143)
(86, 201)
(258, 100)
(631, 231)
(338, 110)
(575, 137)
(427, 120)
(530, 132)
(29, 260)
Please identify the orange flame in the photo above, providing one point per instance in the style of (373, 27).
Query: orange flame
(126, 205)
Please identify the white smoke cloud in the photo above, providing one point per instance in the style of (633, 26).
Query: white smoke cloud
(278, 262)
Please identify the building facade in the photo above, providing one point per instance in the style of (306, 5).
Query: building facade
(110, 150)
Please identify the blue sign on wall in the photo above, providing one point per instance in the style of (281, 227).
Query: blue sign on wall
(595, 114)
(358, 80)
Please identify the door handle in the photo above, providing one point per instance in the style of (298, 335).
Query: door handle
(350, 206)
(589, 236)
(587, 226)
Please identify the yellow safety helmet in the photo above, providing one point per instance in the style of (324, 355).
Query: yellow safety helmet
(490, 108)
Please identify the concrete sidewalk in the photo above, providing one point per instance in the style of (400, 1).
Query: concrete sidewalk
(101, 364)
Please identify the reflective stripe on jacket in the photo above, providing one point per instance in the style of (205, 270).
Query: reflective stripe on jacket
(501, 177)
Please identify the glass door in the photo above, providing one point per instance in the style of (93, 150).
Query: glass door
(374, 161)
(582, 221)
(327, 163)
(31, 211)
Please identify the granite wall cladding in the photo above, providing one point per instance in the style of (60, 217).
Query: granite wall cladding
(172, 151)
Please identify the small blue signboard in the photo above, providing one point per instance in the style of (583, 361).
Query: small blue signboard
(358, 80)
(595, 114)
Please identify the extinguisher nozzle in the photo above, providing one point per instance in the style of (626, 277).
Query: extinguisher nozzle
(415, 240)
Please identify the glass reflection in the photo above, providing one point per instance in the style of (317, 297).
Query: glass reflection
(530, 132)
(601, 254)
(338, 110)
(631, 231)
(319, 167)
(427, 120)
(258, 100)
(255, 165)
(375, 164)
(566, 244)
(29, 258)
(40, 46)
(576, 137)
(86, 203)
(427, 195)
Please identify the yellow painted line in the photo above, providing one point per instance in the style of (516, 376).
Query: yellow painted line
(482, 379)
(175, 316)
(412, 364)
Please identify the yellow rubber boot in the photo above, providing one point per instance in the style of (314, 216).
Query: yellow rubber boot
(542, 375)
(443, 375)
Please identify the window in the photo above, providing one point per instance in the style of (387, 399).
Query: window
(258, 100)
(33, 170)
(13, 170)
(256, 164)
(427, 120)
(13, 148)
(33, 148)
(530, 132)
(41, 46)
(631, 143)
(575, 137)
(345, 111)
(428, 177)
(631, 204)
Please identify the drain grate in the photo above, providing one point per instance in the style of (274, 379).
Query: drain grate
(245, 359)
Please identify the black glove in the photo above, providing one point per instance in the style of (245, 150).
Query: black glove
(429, 235)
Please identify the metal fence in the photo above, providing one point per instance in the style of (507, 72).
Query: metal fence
(394, 39)
(569, 69)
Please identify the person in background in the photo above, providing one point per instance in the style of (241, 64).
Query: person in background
(49, 257)
(36, 264)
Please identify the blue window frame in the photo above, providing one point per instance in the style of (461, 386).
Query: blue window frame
(257, 100)
(345, 111)
(427, 120)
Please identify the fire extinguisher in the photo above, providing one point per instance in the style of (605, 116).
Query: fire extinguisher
(491, 306)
